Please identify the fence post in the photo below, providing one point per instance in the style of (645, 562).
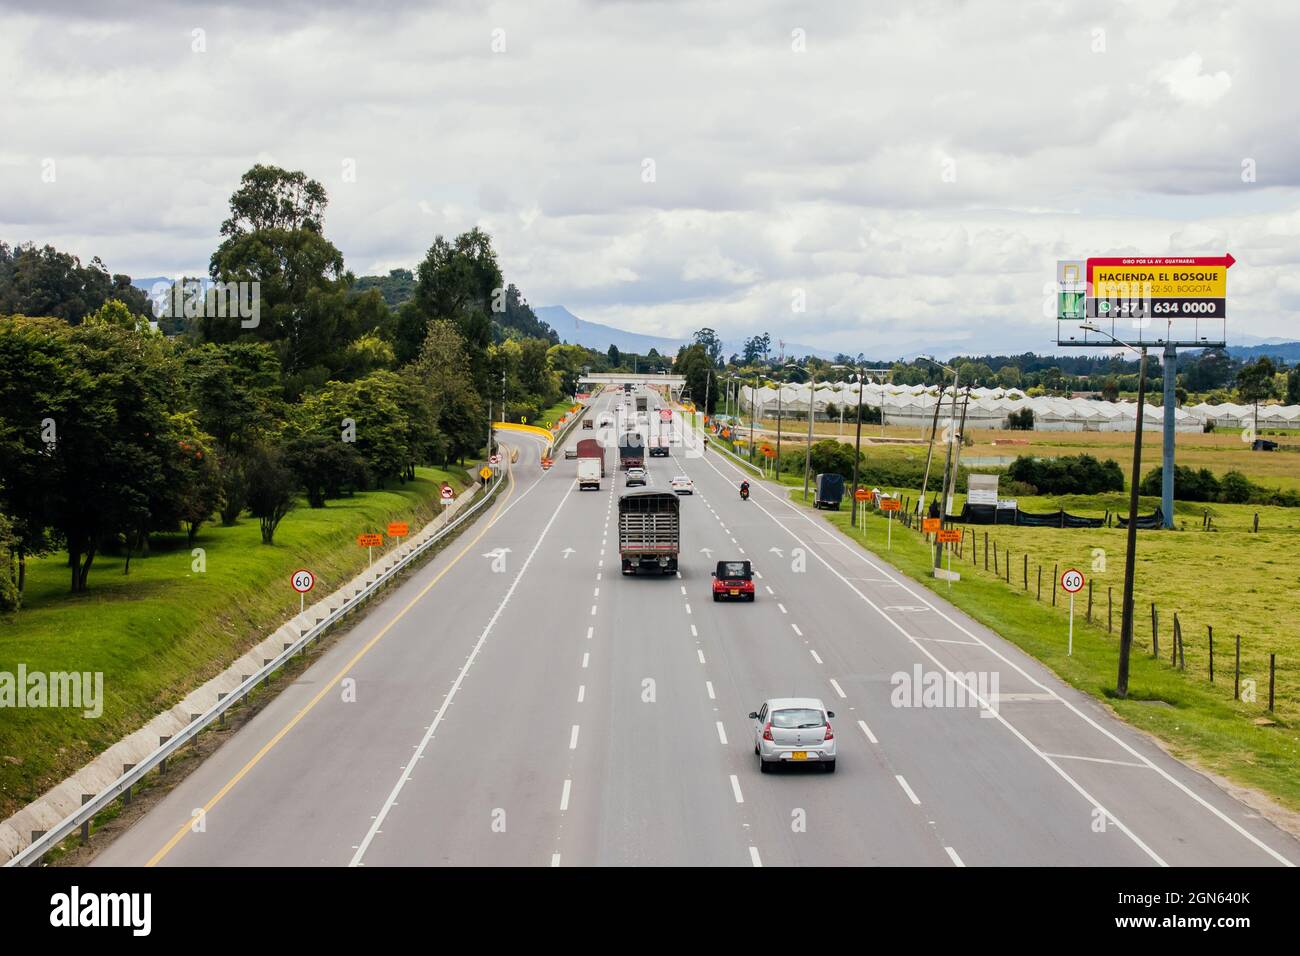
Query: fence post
(1039, 597)
(1008, 564)
(1173, 644)
(1055, 576)
(1155, 631)
(1026, 570)
(1210, 629)
(1256, 530)
(986, 550)
(1272, 667)
(1089, 600)
(1236, 676)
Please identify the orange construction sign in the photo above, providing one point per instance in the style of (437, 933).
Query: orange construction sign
(862, 494)
(370, 540)
(930, 525)
(948, 535)
(547, 463)
(398, 529)
(890, 504)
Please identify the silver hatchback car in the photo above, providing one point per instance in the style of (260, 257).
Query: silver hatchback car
(793, 730)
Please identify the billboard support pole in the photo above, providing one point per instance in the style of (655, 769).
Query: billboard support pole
(1167, 463)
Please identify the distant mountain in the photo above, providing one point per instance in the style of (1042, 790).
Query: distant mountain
(594, 335)
(1285, 351)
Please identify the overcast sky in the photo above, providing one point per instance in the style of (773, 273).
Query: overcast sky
(912, 169)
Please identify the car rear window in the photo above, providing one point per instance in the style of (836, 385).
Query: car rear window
(734, 569)
(801, 718)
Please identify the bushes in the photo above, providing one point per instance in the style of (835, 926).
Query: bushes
(1071, 475)
(1022, 420)
(1233, 488)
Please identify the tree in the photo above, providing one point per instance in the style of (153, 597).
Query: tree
(10, 594)
(694, 363)
(615, 359)
(325, 467)
(269, 197)
(1256, 383)
(707, 338)
(46, 282)
(1293, 386)
(1022, 420)
(1110, 389)
(191, 488)
(443, 370)
(271, 488)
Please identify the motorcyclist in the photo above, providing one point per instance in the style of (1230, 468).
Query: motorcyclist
(744, 489)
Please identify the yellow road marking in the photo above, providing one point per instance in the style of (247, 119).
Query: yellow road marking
(256, 758)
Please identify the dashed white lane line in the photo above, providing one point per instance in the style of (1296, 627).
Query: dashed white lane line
(568, 785)
(590, 631)
(867, 730)
(906, 789)
(688, 609)
(573, 738)
(582, 692)
(555, 859)
(597, 575)
(753, 856)
(683, 589)
(769, 589)
(814, 655)
(837, 687)
(596, 593)
(782, 607)
(952, 855)
(593, 610)
(585, 659)
(694, 632)
(735, 788)
(796, 628)
(722, 734)
(708, 685)
(701, 653)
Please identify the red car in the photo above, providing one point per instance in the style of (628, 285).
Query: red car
(733, 579)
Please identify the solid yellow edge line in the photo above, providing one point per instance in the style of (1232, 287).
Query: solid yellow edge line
(256, 758)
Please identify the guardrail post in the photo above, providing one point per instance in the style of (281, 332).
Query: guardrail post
(126, 794)
(85, 824)
(162, 767)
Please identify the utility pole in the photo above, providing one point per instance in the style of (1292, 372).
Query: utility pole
(857, 453)
(1126, 625)
(934, 428)
(778, 430)
(1167, 462)
(807, 458)
(948, 476)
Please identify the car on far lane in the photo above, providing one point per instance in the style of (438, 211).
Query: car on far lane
(571, 452)
(733, 579)
(682, 485)
(793, 730)
(635, 476)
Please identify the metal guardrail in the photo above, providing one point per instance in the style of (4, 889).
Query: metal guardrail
(52, 838)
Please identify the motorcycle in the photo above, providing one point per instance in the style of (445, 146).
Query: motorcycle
(744, 492)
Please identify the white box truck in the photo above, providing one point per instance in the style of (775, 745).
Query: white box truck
(589, 473)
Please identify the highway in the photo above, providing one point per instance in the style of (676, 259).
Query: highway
(553, 712)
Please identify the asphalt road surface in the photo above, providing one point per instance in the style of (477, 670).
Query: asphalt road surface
(517, 702)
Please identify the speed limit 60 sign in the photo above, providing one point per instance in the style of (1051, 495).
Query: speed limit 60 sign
(303, 580)
(1072, 581)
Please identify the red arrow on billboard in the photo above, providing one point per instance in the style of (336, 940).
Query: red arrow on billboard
(1226, 260)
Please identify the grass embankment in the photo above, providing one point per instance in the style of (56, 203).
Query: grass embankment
(164, 629)
(1234, 580)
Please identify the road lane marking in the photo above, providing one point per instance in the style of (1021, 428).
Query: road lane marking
(590, 631)
(753, 856)
(769, 589)
(688, 609)
(694, 632)
(796, 628)
(837, 688)
(582, 692)
(814, 655)
(906, 789)
(722, 734)
(333, 681)
(573, 738)
(585, 659)
(596, 593)
(1116, 763)
(701, 653)
(564, 796)
(555, 859)
(593, 610)
(708, 685)
(952, 854)
(867, 730)
(437, 719)
(782, 607)
(735, 788)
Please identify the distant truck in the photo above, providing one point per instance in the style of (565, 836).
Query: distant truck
(649, 531)
(590, 448)
(587, 422)
(830, 491)
(641, 403)
(659, 447)
(590, 471)
(631, 451)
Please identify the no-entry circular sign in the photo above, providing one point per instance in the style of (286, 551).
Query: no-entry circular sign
(303, 580)
(447, 493)
(1072, 581)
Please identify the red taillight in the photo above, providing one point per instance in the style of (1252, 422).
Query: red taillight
(830, 735)
(767, 730)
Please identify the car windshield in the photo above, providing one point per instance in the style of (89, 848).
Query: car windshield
(734, 569)
(802, 718)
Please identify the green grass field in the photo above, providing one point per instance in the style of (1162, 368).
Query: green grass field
(163, 630)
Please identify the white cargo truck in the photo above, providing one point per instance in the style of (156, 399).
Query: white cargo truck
(589, 473)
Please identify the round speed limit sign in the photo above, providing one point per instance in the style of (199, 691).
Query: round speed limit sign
(1072, 581)
(303, 580)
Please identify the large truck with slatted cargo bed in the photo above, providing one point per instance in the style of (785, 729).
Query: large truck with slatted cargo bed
(649, 531)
